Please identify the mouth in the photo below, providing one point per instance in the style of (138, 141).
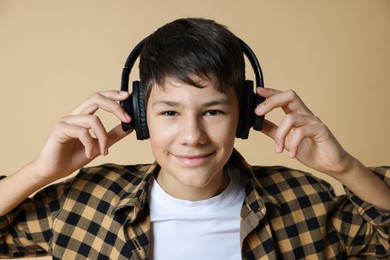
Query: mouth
(193, 159)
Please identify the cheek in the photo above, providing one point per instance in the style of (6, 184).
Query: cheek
(159, 129)
(160, 135)
(223, 134)
(157, 143)
(225, 138)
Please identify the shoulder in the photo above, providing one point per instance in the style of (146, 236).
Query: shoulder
(287, 184)
(282, 175)
(113, 172)
(109, 178)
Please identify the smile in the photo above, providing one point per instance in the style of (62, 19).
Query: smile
(193, 159)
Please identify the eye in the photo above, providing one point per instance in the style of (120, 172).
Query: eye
(214, 113)
(169, 113)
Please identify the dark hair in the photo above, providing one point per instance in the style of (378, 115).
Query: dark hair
(192, 47)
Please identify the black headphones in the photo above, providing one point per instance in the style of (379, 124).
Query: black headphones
(135, 104)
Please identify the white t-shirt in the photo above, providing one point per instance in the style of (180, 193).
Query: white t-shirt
(202, 230)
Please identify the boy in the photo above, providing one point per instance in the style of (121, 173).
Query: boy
(200, 199)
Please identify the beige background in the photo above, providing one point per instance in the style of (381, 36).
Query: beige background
(335, 54)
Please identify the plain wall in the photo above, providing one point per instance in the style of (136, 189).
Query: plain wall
(335, 54)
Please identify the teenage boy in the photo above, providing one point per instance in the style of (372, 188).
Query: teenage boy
(200, 199)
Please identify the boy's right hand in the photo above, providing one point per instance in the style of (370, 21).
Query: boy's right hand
(80, 136)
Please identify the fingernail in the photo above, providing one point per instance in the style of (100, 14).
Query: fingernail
(277, 148)
(260, 109)
(123, 93)
(127, 117)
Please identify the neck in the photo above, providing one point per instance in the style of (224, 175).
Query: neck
(193, 192)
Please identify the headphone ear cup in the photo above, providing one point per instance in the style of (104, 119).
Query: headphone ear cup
(139, 111)
(258, 120)
(246, 110)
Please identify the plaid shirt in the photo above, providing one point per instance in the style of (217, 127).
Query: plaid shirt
(103, 213)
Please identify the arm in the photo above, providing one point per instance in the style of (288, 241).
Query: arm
(308, 140)
(70, 146)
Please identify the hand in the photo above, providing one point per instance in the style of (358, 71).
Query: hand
(302, 134)
(80, 136)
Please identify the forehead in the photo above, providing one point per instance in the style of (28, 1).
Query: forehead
(180, 91)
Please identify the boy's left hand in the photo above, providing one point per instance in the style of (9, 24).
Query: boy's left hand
(301, 133)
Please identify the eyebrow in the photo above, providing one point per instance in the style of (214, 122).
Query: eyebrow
(221, 101)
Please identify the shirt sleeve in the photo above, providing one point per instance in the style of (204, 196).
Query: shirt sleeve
(372, 214)
(26, 230)
(364, 229)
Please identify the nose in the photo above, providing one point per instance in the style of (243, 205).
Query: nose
(192, 131)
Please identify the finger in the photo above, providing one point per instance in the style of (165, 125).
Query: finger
(66, 132)
(298, 135)
(94, 124)
(288, 100)
(106, 100)
(116, 134)
(264, 108)
(113, 136)
(267, 92)
(289, 124)
(269, 129)
(294, 140)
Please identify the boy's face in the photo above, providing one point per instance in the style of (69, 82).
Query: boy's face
(192, 132)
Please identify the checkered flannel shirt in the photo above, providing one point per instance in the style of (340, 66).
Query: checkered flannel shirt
(103, 213)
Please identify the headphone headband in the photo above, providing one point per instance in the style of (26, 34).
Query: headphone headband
(134, 54)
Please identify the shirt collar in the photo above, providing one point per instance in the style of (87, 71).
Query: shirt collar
(134, 199)
(256, 196)
(255, 201)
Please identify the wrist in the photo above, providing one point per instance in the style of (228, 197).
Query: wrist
(364, 184)
(351, 168)
(37, 175)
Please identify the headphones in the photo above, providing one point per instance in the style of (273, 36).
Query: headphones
(134, 105)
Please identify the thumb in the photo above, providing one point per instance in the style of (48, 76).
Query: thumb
(116, 134)
(269, 129)
(113, 136)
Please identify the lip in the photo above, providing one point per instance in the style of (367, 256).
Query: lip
(193, 159)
